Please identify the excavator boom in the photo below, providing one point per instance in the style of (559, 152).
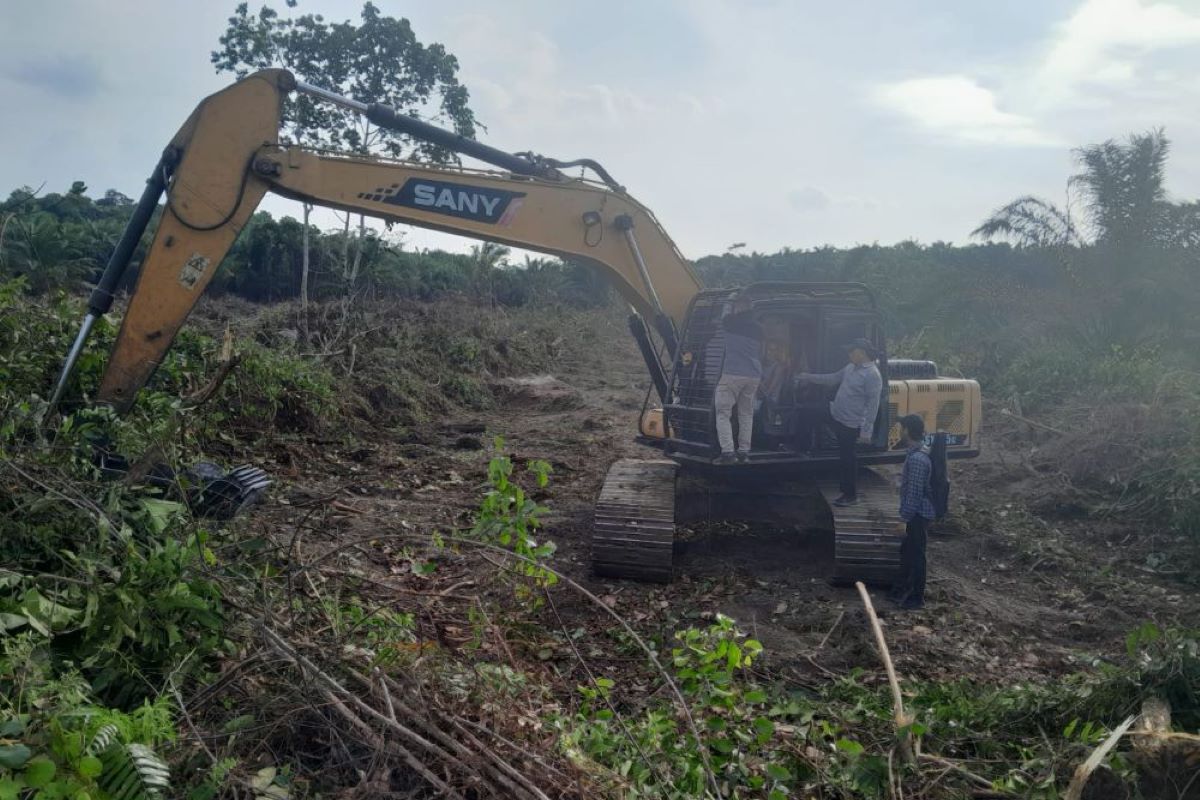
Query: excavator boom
(227, 156)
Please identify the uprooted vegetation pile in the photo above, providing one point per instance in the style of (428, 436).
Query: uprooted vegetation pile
(394, 621)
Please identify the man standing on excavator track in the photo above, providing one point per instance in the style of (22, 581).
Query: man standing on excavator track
(741, 372)
(851, 414)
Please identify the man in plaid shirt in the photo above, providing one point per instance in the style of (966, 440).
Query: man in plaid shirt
(916, 509)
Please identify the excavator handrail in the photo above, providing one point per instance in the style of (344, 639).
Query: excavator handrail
(463, 168)
(796, 287)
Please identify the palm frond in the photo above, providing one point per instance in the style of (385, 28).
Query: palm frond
(1029, 221)
(1122, 186)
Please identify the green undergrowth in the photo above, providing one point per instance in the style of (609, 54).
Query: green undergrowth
(742, 734)
(109, 570)
(110, 589)
(405, 363)
(761, 740)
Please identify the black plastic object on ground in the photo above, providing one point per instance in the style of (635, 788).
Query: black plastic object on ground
(227, 496)
(207, 488)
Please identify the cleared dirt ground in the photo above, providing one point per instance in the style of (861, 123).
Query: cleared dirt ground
(1012, 595)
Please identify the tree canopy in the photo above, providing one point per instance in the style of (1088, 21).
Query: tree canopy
(377, 60)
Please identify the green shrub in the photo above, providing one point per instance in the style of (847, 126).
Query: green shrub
(57, 742)
(108, 575)
(654, 754)
(1050, 372)
(508, 517)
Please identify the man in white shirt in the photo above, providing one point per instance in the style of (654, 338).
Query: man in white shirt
(851, 414)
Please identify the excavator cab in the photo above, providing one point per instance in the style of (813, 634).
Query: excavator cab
(787, 481)
(806, 327)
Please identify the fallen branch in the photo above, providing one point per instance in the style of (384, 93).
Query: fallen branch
(832, 628)
(1004, 412)
(434, 728)
(459, 722)
(344, 701)
(978, 780)
(228, 361)
(902, 717)
(387, 696)
(1084, 771)
(684, 709)
(379, 743)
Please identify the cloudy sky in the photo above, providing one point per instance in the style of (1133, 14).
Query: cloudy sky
(777, 123)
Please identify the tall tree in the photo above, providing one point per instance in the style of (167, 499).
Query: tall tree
(1122, 195)
(377, 60)
(486, 258)
(1130, 251)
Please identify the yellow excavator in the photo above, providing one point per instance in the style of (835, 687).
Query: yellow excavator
(228, 155)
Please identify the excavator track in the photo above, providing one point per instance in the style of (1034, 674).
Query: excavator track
(866, 536)
(634, 531)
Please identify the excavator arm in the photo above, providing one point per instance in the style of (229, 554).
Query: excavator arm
(227, 156)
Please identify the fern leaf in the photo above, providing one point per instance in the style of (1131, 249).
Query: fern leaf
(105, 738)
(133, 772)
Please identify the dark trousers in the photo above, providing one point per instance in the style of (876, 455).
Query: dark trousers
(911, 588)
(809, 422)
(847, 438)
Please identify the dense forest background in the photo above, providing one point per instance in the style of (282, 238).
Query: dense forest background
(1045, 299)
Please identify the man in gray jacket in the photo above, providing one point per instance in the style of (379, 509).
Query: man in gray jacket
(851, 414)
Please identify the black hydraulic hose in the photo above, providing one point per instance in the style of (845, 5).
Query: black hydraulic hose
(519, 163)
(388, 117)
(102, 296)
(591, 164)
(640, 335)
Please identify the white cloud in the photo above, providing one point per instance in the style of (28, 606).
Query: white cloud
(808, 198)
(957, 107)
(1098, 58)
(1100, 43)
(538, 92)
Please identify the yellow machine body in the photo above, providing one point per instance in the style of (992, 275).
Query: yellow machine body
(953, 406)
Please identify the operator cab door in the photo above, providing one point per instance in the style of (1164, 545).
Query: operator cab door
(841, 327)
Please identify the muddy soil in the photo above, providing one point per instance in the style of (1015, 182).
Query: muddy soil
(1012, 596)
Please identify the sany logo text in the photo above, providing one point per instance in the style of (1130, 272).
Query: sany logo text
(464, 201)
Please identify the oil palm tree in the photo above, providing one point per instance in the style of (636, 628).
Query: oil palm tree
(1129, 249)
(1123, 200)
